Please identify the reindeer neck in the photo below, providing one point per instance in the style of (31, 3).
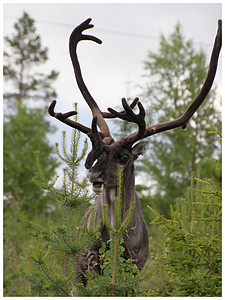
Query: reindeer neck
(128, 195)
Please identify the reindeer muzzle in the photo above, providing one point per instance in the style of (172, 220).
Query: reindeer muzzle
(97, 181)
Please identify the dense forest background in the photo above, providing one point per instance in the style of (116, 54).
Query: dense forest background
(179, 180)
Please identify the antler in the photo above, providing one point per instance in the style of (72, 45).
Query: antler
(108, 115)
(130, 116)
(64, 118)
(76, 36)
(103, 138)
(97, 144)
(184, 119)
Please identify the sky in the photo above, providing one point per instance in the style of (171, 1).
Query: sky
(128, 31)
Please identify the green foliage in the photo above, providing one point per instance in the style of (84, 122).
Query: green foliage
(189, 257)
(61, 244)
(57, 255)
(175, 74)
(184, 261)
(16, 243)
(24, 133)
(119, 276)
(25, 130)
(45, 279)
(185, 255)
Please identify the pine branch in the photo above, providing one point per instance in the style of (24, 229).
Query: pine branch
(51, 279)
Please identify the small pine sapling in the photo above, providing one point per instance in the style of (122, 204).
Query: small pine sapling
(119, 276)
(58, 252)
(191, 250)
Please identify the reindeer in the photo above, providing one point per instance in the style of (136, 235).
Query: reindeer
(107, 154)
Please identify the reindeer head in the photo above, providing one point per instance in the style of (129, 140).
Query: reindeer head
(106, 153)
(103, 172)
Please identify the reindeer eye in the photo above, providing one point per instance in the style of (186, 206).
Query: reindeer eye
(125, 157)
(122, 158)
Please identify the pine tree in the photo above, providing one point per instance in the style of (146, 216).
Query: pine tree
(174, 75)
(57, 256)
(119, 276)
(23, 54)
(25, 131)
(188, 259)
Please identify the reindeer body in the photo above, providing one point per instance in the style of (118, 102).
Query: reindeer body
(106, 154)
(136, 239)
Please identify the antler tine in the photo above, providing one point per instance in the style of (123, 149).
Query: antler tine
(184, 119)
(64, 118)
(108, 115)
(94, 134)
(59, 116)
(130, 116)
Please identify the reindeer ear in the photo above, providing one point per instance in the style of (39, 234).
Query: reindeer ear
(139, 149)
